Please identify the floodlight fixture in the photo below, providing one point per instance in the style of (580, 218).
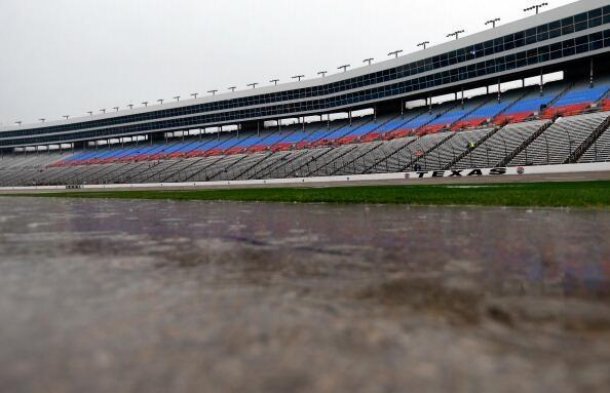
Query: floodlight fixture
(344, 67)
(456, 34)
(492, 22)
(395, 53)
(536, 7)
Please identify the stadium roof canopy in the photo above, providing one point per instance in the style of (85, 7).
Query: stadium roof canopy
(568, 37)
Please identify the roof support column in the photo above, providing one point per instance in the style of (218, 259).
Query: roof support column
(462, 98)
(591, 72)
(499, 91)
(541, 83)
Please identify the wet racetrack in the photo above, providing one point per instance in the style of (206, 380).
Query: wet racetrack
(149, 296)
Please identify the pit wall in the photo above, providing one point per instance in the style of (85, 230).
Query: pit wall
(409, 178)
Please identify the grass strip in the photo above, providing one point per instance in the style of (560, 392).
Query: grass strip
(579, 194)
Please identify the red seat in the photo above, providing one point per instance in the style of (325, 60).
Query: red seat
(568, 110)
(346, 140)
(606, 105)
(468, 124)
(234, 150)
(321, 143)
(430, 129)
(281, 147)
(397, 134)
(373, 136)
(512, 118)
(196, 153)
(302, 145)
(256, 149)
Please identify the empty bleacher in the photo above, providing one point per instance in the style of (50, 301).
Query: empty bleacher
(522, 127)
(560, 140)
(504, 142)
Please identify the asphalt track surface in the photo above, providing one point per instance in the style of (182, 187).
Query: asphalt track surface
(158, 296)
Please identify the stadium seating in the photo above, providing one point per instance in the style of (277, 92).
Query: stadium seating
(576, 101)
(599, 151)
(529, 105)
(501, 144)
(559, 141)
(481, 132)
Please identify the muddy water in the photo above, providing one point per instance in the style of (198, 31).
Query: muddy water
(125, 296)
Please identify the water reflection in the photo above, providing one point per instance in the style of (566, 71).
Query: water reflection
(151, 296)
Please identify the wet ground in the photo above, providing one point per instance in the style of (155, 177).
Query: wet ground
(143, 296)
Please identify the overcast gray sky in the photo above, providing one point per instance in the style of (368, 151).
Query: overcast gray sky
(64, 57)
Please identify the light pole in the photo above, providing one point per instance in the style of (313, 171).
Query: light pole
(299, 77)
(535, 7)
(369, 60)
(456, 34)
(42, 120)
(344, 67)
(90, 113)
(66, 117)
(177, 98)
(395, 53)
(323, 73)
(253, 85)
(19, 122)
(423, 44)
(130, 106)
(145, 103)
(194, 95)
(116, 108)
(233, 88)
(492, 22)
(160, 101)
(213, 92)
(103, 110)
(274, 81)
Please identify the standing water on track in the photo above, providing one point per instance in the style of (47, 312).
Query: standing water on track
(155, 296)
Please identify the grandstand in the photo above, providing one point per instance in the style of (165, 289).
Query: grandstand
(294, 130)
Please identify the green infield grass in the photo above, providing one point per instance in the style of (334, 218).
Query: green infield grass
(577, 194)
